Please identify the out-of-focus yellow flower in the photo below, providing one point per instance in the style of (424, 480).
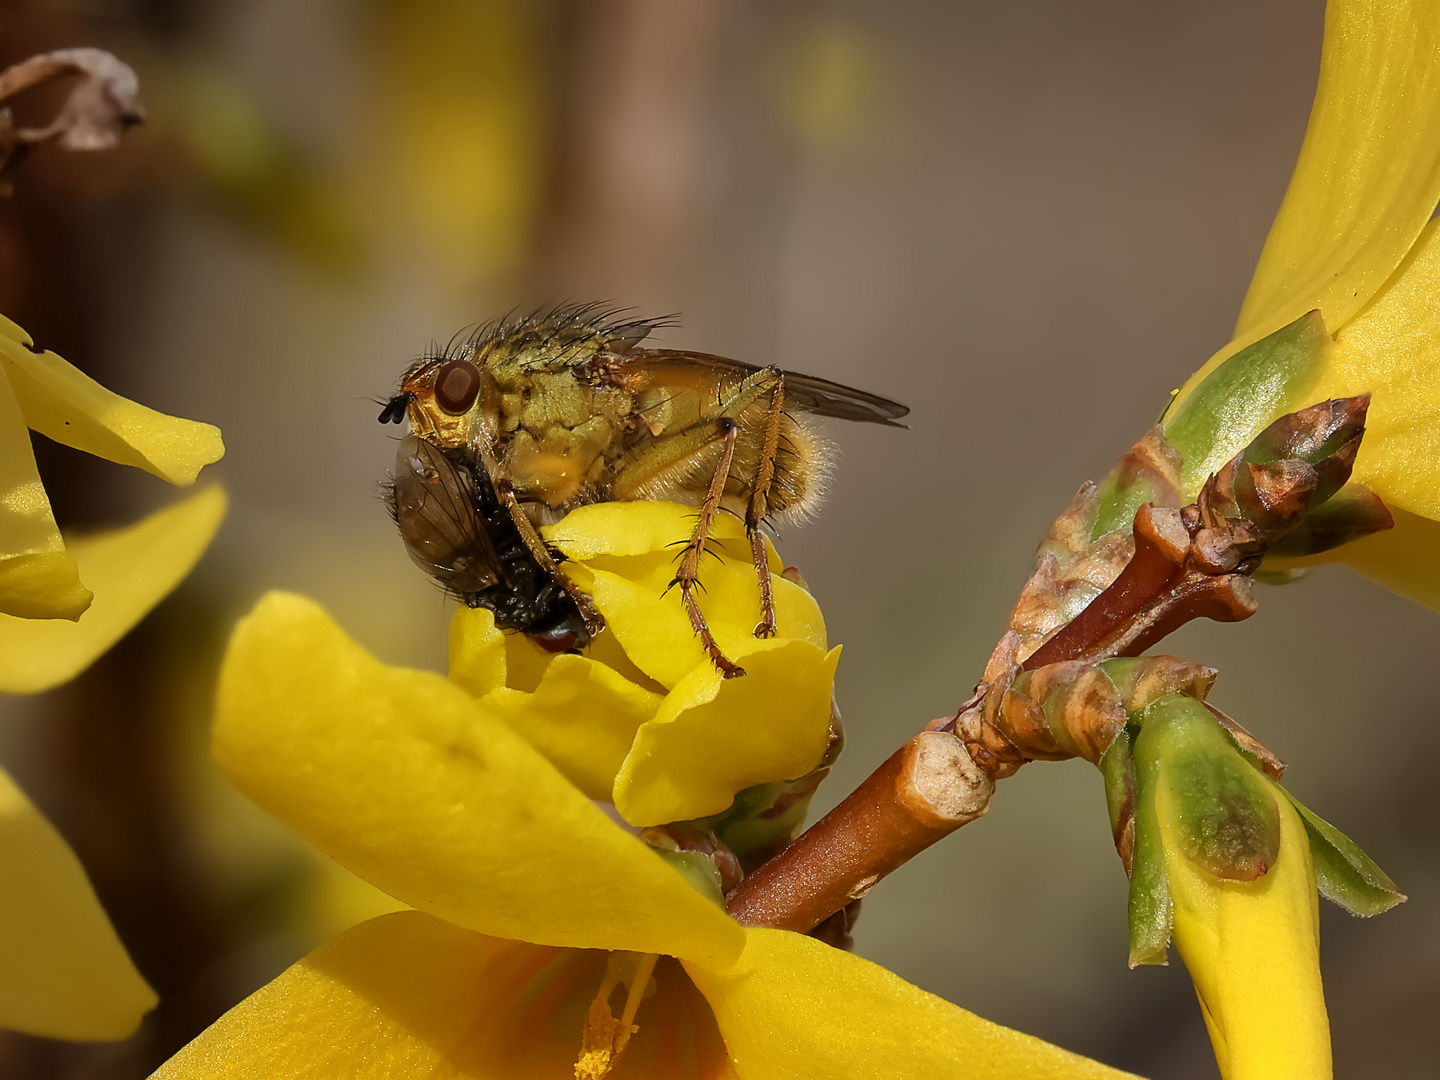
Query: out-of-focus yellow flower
(462, 119)
(644, 720)
(522, 885)
(1354, 238)
(39, 579)
(63, 971)
(830, 83)
(130, 569)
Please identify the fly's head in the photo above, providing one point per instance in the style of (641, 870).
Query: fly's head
(441, 398)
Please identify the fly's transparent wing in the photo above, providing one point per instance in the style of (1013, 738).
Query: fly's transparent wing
(704, 371)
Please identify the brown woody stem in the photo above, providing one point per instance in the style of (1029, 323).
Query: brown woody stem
(1186, 563)
(925, 791)
(1158, 592)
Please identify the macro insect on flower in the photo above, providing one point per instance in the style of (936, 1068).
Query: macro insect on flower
(532, 417)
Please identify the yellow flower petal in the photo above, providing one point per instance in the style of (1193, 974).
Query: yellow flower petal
(794, 1007)
(1253, 951)
(713, 737)
(1403, 559)
(1368, 177)
(1392, 350)
(408, 781)
(63, 403)
(651, 625)
(38, 580)
(477, 651)
(629, 552)
(632, 528)
(525, 662)
(63, 972)
(407, 995)
(582, 716)
(131, 569)
(607, 649)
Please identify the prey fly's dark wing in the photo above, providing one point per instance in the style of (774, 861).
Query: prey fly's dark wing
(433, 500)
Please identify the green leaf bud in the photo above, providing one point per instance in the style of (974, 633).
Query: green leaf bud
(1243, 395)
(1344, 874)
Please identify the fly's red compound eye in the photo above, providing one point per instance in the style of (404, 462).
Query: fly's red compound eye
(457, 384)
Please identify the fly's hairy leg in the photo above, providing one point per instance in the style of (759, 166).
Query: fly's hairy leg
(669, 465)
(689, 571)
(760, 504)
(535, 544)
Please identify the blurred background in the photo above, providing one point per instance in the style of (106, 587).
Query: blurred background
(1029, 221)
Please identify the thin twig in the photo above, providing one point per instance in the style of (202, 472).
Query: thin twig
(101, 106)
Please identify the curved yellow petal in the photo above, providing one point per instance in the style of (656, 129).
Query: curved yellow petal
(407, 995)
(794, 1007)
(1403, 559)
(713, 737)
(63, 972)
(131, 570)
(38, 579)
(1253, 951)
(1391, 350)
(582, 716)
(42, 585)
(477, 651)
(1368, 177)
(624, 556)
(525, 662)
(632, 528)
(606, 648)
(408, 781)
(63, 403)
(651, 625)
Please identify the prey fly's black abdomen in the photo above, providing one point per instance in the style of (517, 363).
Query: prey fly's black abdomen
(457, 532)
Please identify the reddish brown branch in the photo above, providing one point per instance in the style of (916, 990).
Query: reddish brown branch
(925, 791)
(1052, 704)
(1160, 589)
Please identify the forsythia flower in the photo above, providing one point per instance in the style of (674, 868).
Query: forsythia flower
(63, 972)
(38, 578)
(1355, 239)
(644, 719)
(522, 884)
(1222, 860)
